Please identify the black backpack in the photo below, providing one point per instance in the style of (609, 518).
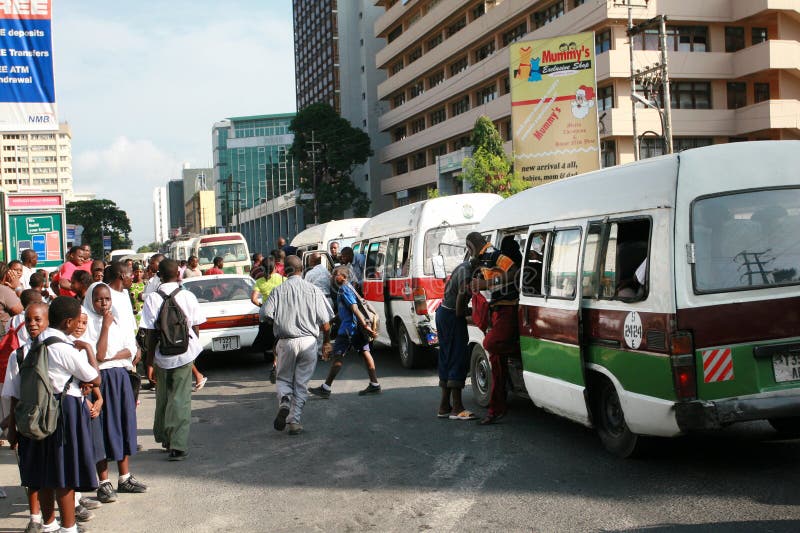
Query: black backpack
(173, 338)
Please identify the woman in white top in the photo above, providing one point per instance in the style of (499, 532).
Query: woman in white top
(114, 350)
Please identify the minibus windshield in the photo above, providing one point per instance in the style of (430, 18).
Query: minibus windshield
(454, 239)
(229, 252)
(747, 240)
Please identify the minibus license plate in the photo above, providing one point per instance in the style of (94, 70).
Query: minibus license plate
(225, 344)
(786, 367)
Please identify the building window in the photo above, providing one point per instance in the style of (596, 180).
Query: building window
(760, 92)
(506, 85)
(602, 41)
(462, 141)
(417, 89)
(415, 54)
(399, 99)
(651, 147)
(734, 38)
(608, 153)
(395, 33)
(515, 34)
(418, 161)
(691, 95)
(435, 79)
(576, 3)
(759, 35)
(417, 125)
(458, 66)
(434, 41)
(487, 94)
(438, 151)
(400, 167)
(399, 133)
(478, 11)
(456, 26)
(679, 39)
(484, 51)
(605, 98)
(679, 144)
(737, 95)
(437, 116)
(397, 67)
(460, 106)
(548, 14)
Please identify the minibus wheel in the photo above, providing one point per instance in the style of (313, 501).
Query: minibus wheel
(789, 427)
(480, 375)
(409, 352)
(610, 422)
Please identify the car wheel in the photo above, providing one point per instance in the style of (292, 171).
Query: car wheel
(480, 375)
(788, 427)
(409, 352)
(610, 421)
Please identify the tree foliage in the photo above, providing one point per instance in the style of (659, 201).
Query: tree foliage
(326, 164)
(152, 247)
(98, 218)
(490, 169)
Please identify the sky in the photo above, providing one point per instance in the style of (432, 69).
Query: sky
(142, 83)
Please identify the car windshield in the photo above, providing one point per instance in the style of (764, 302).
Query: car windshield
(223, 289)
(747, 240)
(229, 252)
(448, 241)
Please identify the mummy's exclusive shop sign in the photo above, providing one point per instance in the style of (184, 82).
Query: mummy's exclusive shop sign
(553, 107)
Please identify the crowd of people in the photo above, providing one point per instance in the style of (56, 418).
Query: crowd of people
(104, 331)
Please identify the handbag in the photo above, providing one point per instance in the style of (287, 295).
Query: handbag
(136, 383)
(480, 311)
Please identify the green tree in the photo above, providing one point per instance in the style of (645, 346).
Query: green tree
(152, 247)
(327, 149)
(98, 218)
(490, 169)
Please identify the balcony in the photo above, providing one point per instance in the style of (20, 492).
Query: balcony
(769, 115)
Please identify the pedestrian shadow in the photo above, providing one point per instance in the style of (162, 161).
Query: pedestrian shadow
(728, 527)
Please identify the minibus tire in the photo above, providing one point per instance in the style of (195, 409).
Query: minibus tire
(788, 427)
(480, 375)
(610, 422)
(410, 353)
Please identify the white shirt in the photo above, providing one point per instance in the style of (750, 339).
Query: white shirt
(320, 278)
(25, 279)
(121, 303)
(64, 361)
(152, 285)
(117, 341)
(11, 387)
(194, 317)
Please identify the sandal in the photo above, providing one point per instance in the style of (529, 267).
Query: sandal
(490, 419)
(443, 415)
(200, 384)
(464, 415)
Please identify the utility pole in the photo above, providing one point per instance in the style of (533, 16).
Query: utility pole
(662, 30)
(633, 83)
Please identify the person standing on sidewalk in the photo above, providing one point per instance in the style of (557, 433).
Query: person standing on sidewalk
(349, 336)
(298, 311)
(172, 373)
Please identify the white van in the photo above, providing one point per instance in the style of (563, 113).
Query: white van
(661, 296)
(398, 275)
(319, 238)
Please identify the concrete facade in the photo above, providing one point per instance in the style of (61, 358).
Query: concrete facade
(37, 161)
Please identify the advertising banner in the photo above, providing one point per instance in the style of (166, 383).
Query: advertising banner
(553, 108)
(27, 86)
(40, 232)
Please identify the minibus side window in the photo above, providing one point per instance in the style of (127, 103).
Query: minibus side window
(624, 275)
(397, 257)
(375, 259)
(563, 269)
(533, 264)
(590, 280)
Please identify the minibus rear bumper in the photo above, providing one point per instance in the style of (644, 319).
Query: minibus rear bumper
(715, 414)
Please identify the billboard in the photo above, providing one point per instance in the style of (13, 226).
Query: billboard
(27, 86)
(553, 108)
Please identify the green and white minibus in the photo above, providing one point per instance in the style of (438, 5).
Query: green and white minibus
(661, 296)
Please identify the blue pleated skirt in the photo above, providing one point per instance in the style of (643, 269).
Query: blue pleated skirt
(118, 417)
(65, 459)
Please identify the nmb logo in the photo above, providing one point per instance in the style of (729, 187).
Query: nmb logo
(25, 9)
(41, 119)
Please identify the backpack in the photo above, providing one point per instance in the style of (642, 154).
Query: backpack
(8, 345)
(480, 311)
(37, 411)
(173, 329)
(371, 316)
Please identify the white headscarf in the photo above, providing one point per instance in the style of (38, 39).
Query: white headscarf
(95, 320)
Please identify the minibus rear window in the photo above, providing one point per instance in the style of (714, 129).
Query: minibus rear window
(746, 240)
(449, 241)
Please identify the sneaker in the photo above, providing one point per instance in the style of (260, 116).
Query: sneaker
(106, 492)
(132, 486)
(283, 412)
(177, 455)
(295, 428)
(82, 514)
(319, 391)
(371, 389)
(89, 503)
(273, 377)
(34, 527)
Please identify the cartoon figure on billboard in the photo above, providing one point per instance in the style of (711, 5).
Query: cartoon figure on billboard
(584, 101)
(524, 63)
(536, 73)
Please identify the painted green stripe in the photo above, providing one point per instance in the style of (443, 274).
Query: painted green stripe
(638, 372)
(560, 361)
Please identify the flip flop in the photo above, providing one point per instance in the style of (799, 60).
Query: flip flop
(443, 415)
(201, 384)
(464, 415)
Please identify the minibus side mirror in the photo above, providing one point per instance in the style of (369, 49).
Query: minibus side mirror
(439, 271)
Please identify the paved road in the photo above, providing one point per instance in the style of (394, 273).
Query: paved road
(386, 463)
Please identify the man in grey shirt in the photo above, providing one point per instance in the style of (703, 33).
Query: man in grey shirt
(298, 311)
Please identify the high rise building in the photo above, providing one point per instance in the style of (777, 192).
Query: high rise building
(177, 214)
(35, 161)
(335, 48)
(733, 69)
(255, 179)
(160, 214)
